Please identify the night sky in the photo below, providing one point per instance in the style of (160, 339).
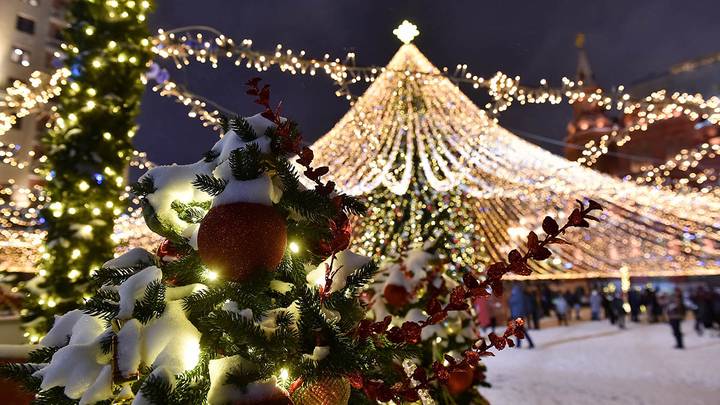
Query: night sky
(626, 41)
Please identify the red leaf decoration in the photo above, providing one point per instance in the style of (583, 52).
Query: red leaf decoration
(550, 226)
(542, 253)
(532, 241)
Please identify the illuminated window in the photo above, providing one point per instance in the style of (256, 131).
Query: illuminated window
(20, 56)
(25, 25)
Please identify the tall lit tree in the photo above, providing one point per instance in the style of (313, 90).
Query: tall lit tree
(88, 149)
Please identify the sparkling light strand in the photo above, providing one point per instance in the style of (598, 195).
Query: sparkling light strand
(22, 99)
(189, 43)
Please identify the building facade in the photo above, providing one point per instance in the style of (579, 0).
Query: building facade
(30, 35)
(647, 144)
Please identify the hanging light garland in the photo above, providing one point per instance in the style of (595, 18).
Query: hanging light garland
(684, 161)
(185, 44)
(22, 99)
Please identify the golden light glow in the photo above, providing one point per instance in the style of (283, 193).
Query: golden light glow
(294, 247)
(406, 32)
(624, 278)
(211, 275)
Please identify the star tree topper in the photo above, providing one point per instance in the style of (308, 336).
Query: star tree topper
(406, 32)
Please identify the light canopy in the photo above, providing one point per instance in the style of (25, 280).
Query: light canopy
(427, 157)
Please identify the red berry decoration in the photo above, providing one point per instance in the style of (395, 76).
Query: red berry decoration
(238, 240)
(396, 295)
(168, 252)
(460, 380)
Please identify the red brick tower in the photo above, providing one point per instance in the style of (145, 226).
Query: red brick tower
(650, 144)
(590, 121)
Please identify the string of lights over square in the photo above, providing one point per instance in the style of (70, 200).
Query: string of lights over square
(186, 44)
(189, 43)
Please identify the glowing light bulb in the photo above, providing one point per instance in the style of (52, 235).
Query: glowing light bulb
(83, 186)
(211, 275)
(320, 279)
(86, 231)
(294, 247)
(284, 374)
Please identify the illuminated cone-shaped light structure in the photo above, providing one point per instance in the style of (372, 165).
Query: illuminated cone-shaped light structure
(429, 159)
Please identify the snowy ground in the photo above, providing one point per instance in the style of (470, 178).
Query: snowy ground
(596, 363)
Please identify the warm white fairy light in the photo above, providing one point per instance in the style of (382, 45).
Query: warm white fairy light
(22, 99)
(22, 247)
(687, 160)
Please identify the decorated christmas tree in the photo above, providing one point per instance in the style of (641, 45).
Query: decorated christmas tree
(254, 298)
(88, 148)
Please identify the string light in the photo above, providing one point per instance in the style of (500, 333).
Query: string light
(684, 161)
(22, 99)
(503, 89)
(184, 44)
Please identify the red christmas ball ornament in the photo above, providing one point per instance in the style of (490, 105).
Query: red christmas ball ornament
(460, 380)
(240, 239)
(396, 295)
(324, 391)
(168, 252)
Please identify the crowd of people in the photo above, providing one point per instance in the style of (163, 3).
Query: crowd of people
(532, 303)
